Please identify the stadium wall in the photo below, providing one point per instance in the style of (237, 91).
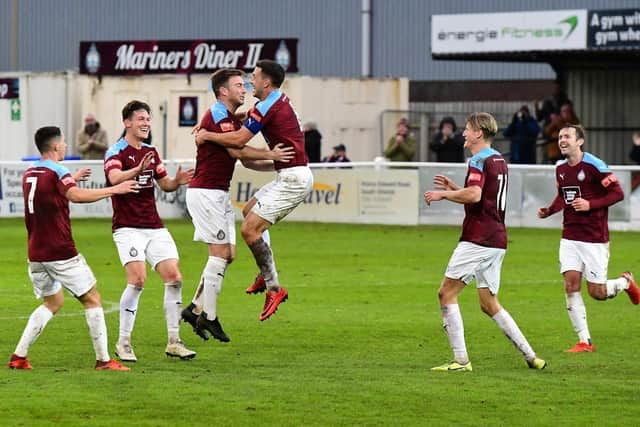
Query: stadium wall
(359, 193)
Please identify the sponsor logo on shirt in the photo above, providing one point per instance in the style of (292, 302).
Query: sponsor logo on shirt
(68, 180)
(474, 176)
(571, 193)
(226, 127)
(113, 163)
(145, 179)
(161, 168)
(256, 116)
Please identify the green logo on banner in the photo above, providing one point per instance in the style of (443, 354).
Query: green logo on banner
(16, 110)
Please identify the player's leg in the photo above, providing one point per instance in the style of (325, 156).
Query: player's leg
(488, 283)
(571, 268)
(50, 290)
(596, 258)
(258, 285)
(131, 244)
(94, 315)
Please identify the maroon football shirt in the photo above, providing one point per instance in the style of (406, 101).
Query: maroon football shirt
(46, 211)
(214, 165)
(484, 221)
(279, 123)
(137, 210)
(592, 180)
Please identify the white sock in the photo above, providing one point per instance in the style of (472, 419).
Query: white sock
(578, 315)
(511, 330)
(615, 286)
(128, 310)
(213, 275)
(98, 332)
(37, 321)
(266, 237)
(173, 309)
(453, 326)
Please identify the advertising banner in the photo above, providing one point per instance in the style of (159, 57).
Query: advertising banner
(616, 28)
(509, 32)
(110, 58)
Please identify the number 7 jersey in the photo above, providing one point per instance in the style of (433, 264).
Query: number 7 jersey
(46, 211)
(484, 221)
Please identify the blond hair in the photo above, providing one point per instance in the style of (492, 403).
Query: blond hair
(484, 122)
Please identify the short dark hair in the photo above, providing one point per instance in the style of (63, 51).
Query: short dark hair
(272, 70)
(133, 106)
(44, 136)
(221, 78)
(580, 133)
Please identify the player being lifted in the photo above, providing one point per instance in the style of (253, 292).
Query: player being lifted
(586, 189)
(274, 116)
(54, 261)
(138, 231)
(483, 243)
(208, 198)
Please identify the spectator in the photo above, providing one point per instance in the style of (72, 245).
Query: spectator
(523, 131)
(91, 140)
(544, 109)
(402, 146)
(566, 117)
(339, 155)
(312, 142)
(448, 144)
(635, 151)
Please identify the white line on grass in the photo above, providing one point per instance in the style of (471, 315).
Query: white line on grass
(108, 306)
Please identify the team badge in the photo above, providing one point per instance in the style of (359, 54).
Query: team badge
(220, 235)
(133, 252)
(581, 175)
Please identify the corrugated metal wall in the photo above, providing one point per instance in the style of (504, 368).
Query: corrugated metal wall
(329, 31)
(5, 34)
(607, 103)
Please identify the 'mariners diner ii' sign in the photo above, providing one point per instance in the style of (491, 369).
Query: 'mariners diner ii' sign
(183, 56)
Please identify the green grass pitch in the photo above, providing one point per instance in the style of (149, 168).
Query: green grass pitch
(352, 346)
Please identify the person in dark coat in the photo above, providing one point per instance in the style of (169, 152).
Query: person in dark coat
(523, 132)
(312, 142)
(448, 144)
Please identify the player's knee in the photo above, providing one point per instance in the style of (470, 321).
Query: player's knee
(596, 291)
(249, 234)
(53, 306)
(137, 280)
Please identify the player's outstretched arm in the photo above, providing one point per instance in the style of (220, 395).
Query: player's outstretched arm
(116, 176)
(89, 195)
(467, 195)
(235, 139)
(443, 182)
(280, 153)
(182, 177)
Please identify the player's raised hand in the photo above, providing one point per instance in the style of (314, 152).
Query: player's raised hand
(442, 182)
(581, 205)
(283, 153)
(184, 176)
(82, 174)
(543, 212)
(129, 186)
(145, 162)
(432, 196)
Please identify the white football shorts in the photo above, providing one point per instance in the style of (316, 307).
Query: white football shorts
(212, 216)
(74, 274)
(139, 244)
(590, 259)
(278, 198)
(470, 261)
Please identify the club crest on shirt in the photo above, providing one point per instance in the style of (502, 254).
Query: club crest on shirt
(571, 193)
(581, 175)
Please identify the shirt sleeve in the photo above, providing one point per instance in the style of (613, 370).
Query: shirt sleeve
(476, 177)
(112, 162)
(65, 183)
(255, 121)
(160, 170)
